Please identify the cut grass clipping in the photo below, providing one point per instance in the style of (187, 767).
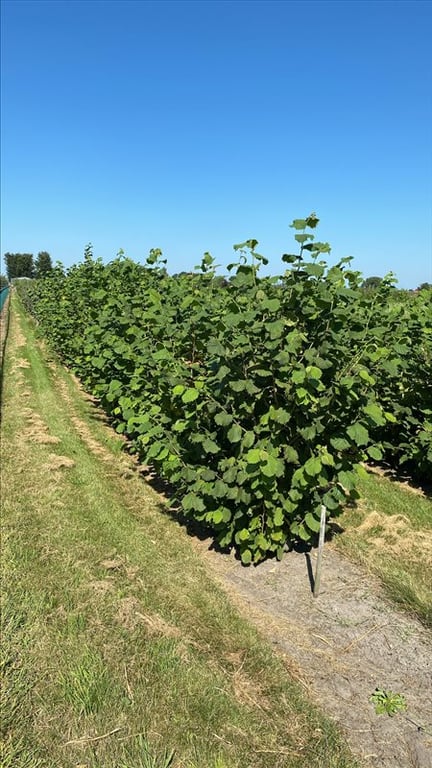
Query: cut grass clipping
(118, 649)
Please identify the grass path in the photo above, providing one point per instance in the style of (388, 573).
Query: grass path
(119, 649)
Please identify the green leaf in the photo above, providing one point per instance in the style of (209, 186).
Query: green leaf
(178, 390)
(238, 386)
(365, 375)
(215, 348)
(288, 505)
(298, 377)
(375, 452)
(218, 516)
(316, 270)
(273, 467)
(299, 224)
(193, 502)
(248, 439)
(303, 238)
(358, 433)
(312, 522)
(290, 455)
(223, 419)
(375, 413)
(234, 434)
(313, 466)
(303, 533)
(220, 489)
(243, 534)
(246, 556)
(360, 471)
(180, 425)
(275, 329)
(313, 372)
(327, 459)
(339, 443)
(271, 304)
(347, 479)
(254, 456)
(190, 395)
(278, 517)
(279, 415)
(262, 542)
(210, 446)
(330, 501)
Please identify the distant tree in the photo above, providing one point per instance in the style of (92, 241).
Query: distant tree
(425, 287)
(43, 264)
(3, 281)
(19, 265)
(371, 282)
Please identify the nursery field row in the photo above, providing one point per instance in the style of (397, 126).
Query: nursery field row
(257, 397)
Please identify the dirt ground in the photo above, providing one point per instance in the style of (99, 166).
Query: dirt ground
(341, 646)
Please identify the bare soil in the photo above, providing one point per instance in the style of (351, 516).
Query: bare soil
(341, 646)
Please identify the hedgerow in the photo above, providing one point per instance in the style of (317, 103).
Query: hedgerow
(256, 397)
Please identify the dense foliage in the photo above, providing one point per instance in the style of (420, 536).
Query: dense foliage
(43, 264)
(257, 397)
(19, 265)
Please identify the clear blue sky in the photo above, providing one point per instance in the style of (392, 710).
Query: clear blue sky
(191, 126)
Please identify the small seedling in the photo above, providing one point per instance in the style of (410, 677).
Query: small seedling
(387, 702)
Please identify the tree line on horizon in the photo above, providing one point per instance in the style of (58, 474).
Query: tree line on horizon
(371, 283)
(24, 265)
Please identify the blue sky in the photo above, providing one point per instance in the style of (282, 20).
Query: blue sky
(190, 126)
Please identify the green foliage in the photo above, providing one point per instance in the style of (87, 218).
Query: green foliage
(370, 283)
(387, 702)
(43, 264)
(19, 265)
(256, 397)
(402, 368)
(3, 282)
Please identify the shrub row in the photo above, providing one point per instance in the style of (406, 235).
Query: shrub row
(257, 397)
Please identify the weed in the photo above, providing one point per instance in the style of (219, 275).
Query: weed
(387, 702)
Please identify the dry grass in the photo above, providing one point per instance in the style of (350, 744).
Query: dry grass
(390, 532)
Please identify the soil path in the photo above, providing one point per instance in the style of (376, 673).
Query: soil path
(344, 644)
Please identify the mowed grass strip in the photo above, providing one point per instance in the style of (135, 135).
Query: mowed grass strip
(390, 532)
(119, 650)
